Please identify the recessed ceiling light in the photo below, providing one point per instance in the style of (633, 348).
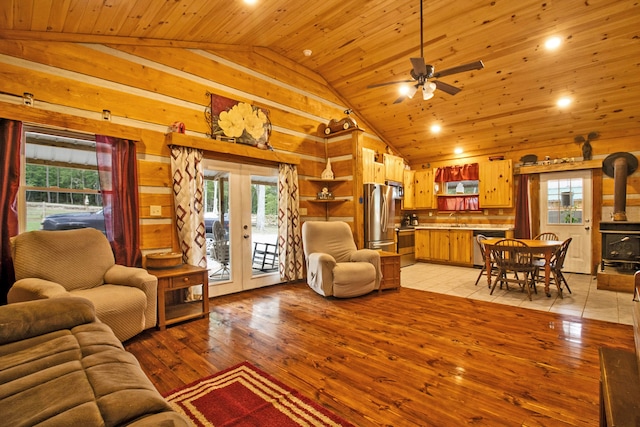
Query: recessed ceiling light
(553, 43)
(250, 1)
(564, 102)
(435, 128)
(307, 52)
(458, 150)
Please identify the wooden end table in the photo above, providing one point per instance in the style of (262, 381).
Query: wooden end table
(182, 277)
(390, 266)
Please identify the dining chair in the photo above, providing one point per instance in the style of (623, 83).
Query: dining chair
(514, 256)
(557, 264)
(546, 236)
(479, 241)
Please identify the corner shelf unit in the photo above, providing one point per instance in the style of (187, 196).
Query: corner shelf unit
(327, 183)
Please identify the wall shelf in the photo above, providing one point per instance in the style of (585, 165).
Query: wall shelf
(238, 151)
(327, 200)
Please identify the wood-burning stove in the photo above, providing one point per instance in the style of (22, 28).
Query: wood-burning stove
(620, 245)
(620, 238)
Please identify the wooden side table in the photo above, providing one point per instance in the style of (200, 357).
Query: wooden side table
(182, 277)
(390, 265)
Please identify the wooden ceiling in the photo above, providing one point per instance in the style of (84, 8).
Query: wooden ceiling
(512, 101)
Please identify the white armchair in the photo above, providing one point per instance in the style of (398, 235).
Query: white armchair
(335, 266)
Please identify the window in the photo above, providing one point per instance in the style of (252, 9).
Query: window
(60, 184)
(564, 201)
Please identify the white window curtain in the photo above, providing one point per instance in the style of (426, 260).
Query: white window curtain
(188, 196)
(289, 228)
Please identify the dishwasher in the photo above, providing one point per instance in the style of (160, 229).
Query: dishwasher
(406, 245)
(478, 260)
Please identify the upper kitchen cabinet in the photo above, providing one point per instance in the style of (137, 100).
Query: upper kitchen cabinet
(409, 199)
(424, 190)
(393, 168)
(496, 184)
(372, 171)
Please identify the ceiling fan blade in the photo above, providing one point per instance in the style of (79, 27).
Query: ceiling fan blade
(477, 65)
(447, 88)
(399, 100)
(389, 83)
(419, 66)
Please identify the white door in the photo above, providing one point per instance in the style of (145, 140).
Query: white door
(566, 209)
(246, 197)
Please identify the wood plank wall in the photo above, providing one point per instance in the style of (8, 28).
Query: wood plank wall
(146, 88)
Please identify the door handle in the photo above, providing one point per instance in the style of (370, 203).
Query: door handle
(246, 236)
(587, 228)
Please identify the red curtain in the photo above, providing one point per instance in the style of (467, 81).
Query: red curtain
(523, 221)
(458, 203)
(119, 187)
(457, 173)
(10, 137)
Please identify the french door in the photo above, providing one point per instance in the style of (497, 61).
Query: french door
(566, 210)
(242, 247)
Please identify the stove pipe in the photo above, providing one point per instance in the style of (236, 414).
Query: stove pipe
(619, 166)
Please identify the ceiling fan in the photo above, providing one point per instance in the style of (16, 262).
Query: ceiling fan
(421, 72)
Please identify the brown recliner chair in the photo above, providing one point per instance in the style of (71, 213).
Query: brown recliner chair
(335, 266)
(51, 264)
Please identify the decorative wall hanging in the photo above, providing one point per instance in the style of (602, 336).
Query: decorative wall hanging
(240, 122)
(587, 150)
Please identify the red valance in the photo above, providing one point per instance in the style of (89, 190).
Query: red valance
(457, 173)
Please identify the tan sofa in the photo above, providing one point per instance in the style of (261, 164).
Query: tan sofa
(80, 263)
(61, 367)
(335, 266)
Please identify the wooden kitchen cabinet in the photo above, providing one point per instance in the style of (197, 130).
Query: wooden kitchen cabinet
(422, 244)
(409, 199)
(393, 168)
(496, 184)
(424, 190)
(372, 171)
(445, 245)
(461, 246)
(439, 242)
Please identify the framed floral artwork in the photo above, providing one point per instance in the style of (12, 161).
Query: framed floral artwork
(240, 122)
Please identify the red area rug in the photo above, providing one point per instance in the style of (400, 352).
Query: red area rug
(243, 395)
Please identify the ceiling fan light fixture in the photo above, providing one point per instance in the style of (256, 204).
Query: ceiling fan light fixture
(411, 91)
(427, 90)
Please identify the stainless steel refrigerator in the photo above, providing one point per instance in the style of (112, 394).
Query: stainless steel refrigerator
(379, 217)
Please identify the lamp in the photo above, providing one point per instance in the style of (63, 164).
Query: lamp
(427, 90)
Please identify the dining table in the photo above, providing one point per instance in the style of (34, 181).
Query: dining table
(546, 248)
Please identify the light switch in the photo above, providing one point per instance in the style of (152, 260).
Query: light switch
(303, 211)
(156, 210)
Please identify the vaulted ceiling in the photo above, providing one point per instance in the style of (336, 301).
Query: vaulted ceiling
(357, 43)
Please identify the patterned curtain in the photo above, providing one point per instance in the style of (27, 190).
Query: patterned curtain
(289, 229)
(117, 169)
(188, 189)
(10, 137)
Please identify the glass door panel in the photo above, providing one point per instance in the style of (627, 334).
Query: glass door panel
(241, 222)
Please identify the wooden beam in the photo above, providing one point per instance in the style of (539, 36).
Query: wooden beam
(115, 40)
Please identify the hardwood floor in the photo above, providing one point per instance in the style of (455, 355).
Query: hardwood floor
(402, 358)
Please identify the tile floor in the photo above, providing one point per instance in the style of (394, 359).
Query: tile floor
(584, 301)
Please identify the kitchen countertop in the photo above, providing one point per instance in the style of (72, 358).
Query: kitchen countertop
(464, 227)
